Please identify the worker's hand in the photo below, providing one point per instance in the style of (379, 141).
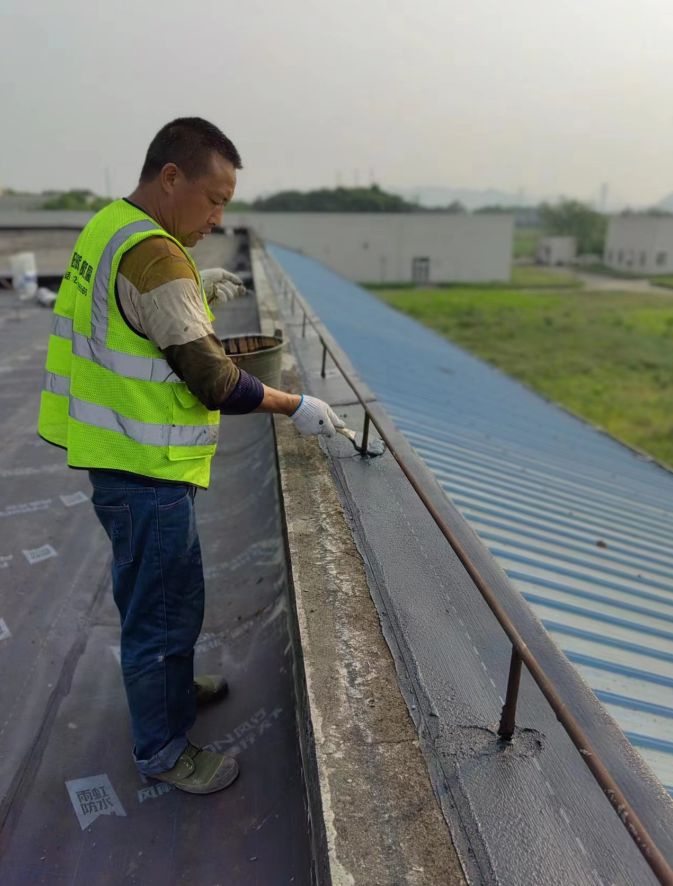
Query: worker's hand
(221, 286)
(314, 416)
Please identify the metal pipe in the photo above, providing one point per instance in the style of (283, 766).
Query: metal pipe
(303, 326)
(365, 435)
(637, 831)
(508, 716)
(324, 360)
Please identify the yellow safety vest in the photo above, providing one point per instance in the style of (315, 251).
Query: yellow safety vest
(109, 396)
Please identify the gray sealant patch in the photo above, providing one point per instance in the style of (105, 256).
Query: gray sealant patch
(93, 796)
(470, 742)
(5, 560)
(36, 555)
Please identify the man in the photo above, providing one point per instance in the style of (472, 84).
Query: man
(135, 384)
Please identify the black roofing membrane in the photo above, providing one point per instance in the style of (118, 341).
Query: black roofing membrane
(73, 809)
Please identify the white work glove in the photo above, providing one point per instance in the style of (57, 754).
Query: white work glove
(314, 416)
(221, 286)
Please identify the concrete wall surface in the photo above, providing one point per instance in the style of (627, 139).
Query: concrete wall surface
(380, 247)
(640, 244)
(374, 820)
(557, 250)
(364, 247)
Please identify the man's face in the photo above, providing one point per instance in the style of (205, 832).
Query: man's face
(195, 207)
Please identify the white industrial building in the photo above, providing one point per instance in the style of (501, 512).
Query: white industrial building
(640, 244)
(556, 250)
(393, 247)
(364, 247)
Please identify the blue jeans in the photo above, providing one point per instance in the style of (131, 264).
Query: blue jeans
(157, 580)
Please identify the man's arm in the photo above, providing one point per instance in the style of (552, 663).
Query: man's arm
(160, 298)
(279, 402)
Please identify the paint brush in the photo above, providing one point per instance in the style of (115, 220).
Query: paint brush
(374, 447)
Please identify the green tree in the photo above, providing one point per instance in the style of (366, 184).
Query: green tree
(371, 199)
(574, 219)
(77, 199)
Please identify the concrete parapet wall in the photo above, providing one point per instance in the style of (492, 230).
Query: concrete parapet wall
(374, 817)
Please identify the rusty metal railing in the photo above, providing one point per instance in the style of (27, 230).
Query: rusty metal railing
(521, 654)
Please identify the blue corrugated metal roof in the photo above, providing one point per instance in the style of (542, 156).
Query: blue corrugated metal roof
(582, 525)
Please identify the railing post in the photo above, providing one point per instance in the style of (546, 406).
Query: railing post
(303, 326)
(324, 360)
(508, 717)
(365, 435)
(292, 303)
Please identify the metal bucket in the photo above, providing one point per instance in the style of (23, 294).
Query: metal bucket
(260, 355)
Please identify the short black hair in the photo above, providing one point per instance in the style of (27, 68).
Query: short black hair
(188, 142)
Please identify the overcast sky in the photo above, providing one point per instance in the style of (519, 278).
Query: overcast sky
(553, 96)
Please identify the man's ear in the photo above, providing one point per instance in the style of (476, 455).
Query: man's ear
(168, 176)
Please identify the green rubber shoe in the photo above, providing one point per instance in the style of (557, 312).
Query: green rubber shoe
(210, 688)
(200, 772)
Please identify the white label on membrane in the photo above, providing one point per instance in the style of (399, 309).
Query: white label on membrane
(75, 499)
(92, 797)
(36, 555)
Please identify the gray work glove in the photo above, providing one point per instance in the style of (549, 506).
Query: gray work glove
(314, 416)
(221, 286)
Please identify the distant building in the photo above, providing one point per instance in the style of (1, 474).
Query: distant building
(394, 247)
(640, 244)
(556, 250)
(422, 248)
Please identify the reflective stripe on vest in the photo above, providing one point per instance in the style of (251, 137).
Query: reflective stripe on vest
(99, 304)
(56, 384)
(126, 365)
(140, 431)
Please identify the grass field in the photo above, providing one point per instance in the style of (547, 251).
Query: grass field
(523, 277)
(607, 357)
(535, 277)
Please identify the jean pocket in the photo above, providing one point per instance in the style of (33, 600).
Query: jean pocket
(170, 496)
(117, 522)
